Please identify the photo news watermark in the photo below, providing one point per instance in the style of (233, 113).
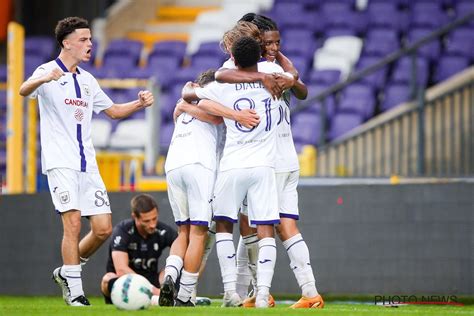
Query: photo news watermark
(399, 300)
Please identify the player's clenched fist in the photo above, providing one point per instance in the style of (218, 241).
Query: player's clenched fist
(146, 98)
(55, 74)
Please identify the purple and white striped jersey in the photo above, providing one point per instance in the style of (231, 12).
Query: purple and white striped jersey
(65, 108)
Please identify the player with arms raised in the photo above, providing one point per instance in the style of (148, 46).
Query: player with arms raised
(67, 95)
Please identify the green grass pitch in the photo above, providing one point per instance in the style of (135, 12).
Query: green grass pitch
(51, 306)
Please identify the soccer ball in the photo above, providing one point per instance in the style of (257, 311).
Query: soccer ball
(131, 292)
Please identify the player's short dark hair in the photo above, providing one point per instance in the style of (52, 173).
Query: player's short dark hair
(143, 203)
(246, 52)
(67, 26)
(206, 77)
(263, 23)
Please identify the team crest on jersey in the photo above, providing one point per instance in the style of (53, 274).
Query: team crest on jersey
(117, 240)
(86, 89)
(64, 197)
(79, 114)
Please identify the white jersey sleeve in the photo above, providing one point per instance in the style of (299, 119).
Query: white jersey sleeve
(39, 72)
(101, 100)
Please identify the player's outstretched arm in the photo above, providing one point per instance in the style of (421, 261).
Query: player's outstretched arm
(236, 76)
(120, 260)
(197, 112)
(299, 88)
(31, 85)
(123, 110)
(247, 117)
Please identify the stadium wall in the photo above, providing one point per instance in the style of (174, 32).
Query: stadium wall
(364, 239)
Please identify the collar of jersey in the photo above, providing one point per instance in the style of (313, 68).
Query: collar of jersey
(63, 68)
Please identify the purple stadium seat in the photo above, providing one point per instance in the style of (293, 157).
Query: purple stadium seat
(352, 20)
(382, 34)
(376, 79)
(299, 46)
(380, 47)
(43, 46)
(120, 48)
(132, 47)
(167, 105)
(31, 63)
(307, 20)
(166, 133)
(333, 8)
(464, 7)
(398, 3)
(430, 50)
(448, 66)
(204, 62)
(141, 73)
(173, 48)
(301, 64)
(326, 76)
(290, 8)
(210, 49)
(342, 123)
(168, 62)
(3, 97)
(384, 14)
(119, 66)
(460, 42)
(394, 95)
(306, 128)
(363, 107)
(3, 73)
(183, 75)
(402, 71)
(430, 19)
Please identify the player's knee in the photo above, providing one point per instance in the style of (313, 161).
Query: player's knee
(104, 284)
(103, 232)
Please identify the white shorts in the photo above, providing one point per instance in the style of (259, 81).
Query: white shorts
(287, 194)
(75, 190)
(190, 193)
(258, 184)
(286, 183)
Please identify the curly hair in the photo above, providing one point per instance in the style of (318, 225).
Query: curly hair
(206, 77)
(263, 23)
(242, 28)
(246, 51)
(67, 26)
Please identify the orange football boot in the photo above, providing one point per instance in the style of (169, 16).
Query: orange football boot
(249, 302)
(309, 302)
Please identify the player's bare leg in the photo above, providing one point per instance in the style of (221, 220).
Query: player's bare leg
(101, 228)
(300, 264)
(174, 264)
(266, 264)
(68, 277)
(192, 262)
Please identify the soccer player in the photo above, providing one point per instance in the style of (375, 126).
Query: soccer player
(67, 95)
(190, 173)
(137, 244)
(248, 246)
(246, 169)
(287, 168)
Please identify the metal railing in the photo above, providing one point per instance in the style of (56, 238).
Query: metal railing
(431, 136)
